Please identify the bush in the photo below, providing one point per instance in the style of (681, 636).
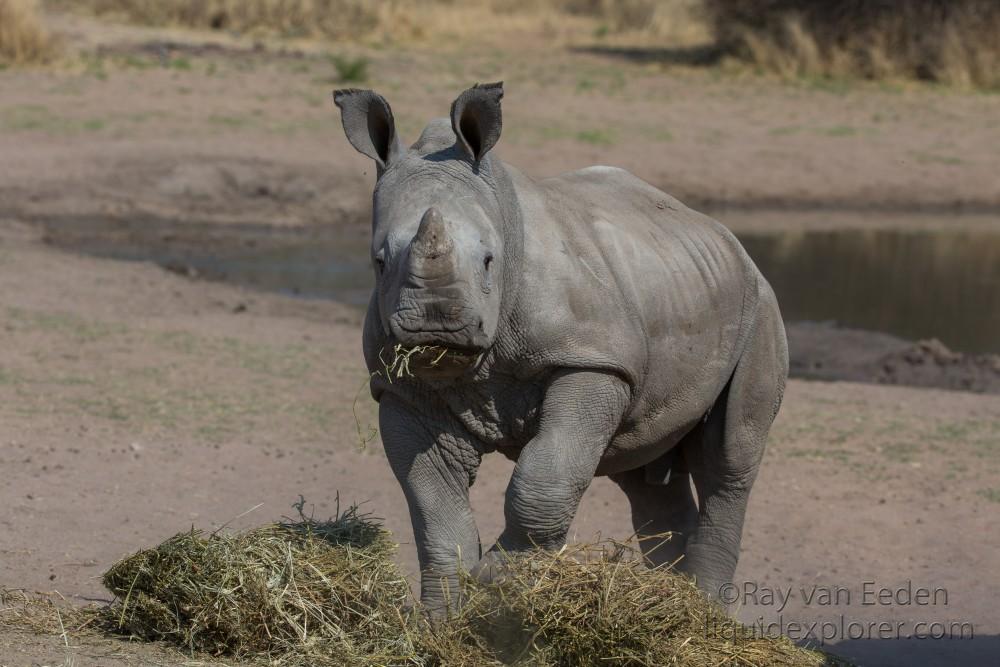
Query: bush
(950, 41)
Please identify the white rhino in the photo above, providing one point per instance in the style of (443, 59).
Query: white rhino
(592, 325)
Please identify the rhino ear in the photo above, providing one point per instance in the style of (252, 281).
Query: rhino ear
(368, 124)
(477, 120)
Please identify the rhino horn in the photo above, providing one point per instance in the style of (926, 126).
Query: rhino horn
(432, 242)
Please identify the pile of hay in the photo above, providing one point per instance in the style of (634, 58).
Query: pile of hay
(600, 604)
(950, 41)
(328, 593)
(307, 592)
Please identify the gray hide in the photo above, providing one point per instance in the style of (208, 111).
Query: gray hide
(596, 326)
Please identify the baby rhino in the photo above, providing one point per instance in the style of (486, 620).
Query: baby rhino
(586, 324)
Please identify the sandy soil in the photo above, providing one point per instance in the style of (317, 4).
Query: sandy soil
(135, 403)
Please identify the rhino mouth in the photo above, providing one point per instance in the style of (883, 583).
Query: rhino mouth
(430, 361)
(440, 340)
(465, 336)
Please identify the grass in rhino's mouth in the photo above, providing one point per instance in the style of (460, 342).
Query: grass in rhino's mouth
(403, 359)
(399, 366)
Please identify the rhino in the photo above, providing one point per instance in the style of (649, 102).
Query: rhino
(583, 325)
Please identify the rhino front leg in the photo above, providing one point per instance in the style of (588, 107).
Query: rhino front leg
(435, 464)
(580, 414)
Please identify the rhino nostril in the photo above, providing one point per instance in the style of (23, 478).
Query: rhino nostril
(488, 260)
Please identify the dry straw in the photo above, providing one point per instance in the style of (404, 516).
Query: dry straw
(599, 604)
(325, 593)
(328, 593)
(303, 592)
(42, 614)
(398, 367)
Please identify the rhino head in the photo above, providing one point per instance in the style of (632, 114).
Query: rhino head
(438, 221)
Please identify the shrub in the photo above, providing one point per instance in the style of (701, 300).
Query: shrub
(950, 41)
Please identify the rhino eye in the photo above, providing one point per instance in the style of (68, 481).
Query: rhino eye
(488, 260)
(380, 263)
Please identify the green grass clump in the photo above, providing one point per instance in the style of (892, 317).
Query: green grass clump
(350, 70)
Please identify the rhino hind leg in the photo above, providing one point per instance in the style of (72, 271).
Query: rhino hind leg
(663, 514)
(723, 460)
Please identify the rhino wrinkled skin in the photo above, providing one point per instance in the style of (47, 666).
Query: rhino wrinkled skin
(593, 325)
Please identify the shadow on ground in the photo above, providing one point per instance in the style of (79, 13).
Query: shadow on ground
(703, 55)
(913, 652)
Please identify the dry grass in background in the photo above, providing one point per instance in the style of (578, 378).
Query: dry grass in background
(408, 20)
(949, 41)
(292, 18)
(23, 38)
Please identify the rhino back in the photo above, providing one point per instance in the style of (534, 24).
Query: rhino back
(620, 276)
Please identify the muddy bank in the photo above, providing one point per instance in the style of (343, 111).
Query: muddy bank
(128, 190)
(238, 185)
(826, 351)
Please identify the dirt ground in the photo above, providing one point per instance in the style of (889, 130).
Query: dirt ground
(135, 403)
